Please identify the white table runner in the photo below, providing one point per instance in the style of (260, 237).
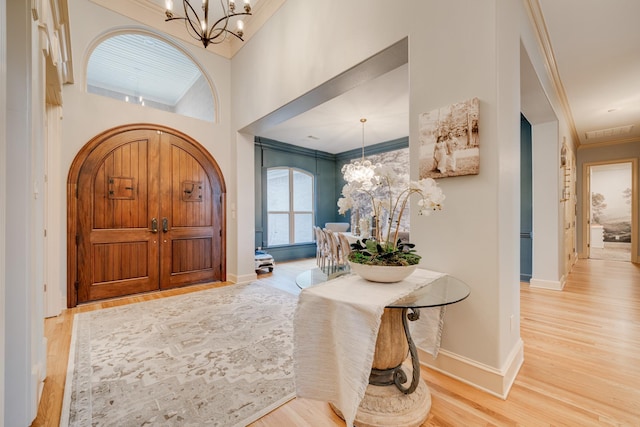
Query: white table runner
(335, 329)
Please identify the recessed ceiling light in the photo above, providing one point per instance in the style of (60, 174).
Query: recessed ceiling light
(313, 137)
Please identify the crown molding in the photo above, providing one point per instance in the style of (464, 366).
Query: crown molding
(370, 150)
(272, 144)
(534, 10)
(52, 18)
(609, 143)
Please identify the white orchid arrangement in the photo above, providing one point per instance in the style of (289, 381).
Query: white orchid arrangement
(385, 197)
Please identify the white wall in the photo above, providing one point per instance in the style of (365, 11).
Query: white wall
(3, 198)
(25, 348)
(197, 102)
(457, 50)
(547, 233)
(86, 115)
(56, 221)
(37, 132)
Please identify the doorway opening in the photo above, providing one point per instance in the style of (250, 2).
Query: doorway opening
(610, 211)
(526, 201)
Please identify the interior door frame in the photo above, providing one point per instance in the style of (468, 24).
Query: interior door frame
(72, 198)
(586, 205)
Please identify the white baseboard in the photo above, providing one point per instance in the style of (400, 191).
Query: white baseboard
(244, 278)
(556, 285)
(494, 381)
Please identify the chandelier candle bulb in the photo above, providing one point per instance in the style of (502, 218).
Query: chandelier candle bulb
(169, 4)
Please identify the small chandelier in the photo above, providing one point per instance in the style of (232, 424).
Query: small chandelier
(361, 172)
(201, 29)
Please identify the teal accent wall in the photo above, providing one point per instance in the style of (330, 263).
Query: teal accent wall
(326, 169)
(269, 154)
(526, 201)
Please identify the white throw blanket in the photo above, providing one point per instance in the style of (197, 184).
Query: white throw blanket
(335, 329)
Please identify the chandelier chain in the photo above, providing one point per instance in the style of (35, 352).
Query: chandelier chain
(363, 121)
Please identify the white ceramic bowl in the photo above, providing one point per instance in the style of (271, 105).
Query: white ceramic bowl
(382, 273)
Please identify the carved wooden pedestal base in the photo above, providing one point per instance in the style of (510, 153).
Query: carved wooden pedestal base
(386, 405)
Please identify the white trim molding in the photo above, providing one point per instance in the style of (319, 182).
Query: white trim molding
(555, 285)
(240, 279)
(534, 9)
(3, 196)
(497, 382)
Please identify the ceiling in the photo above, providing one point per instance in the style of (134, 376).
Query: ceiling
(594, 56)
(335, 126)
(139, 65)
(596, 45)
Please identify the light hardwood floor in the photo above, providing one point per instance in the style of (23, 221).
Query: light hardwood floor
(581, 368)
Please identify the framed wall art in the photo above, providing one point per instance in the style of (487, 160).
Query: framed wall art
(449, 140)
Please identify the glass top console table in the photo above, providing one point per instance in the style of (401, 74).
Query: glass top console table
(393, 344)
(445, 290)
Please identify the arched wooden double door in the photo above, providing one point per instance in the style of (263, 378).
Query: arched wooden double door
(146, 212)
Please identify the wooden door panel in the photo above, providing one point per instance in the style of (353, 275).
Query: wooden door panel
(192, 261)
(191, 255)
(118, 183)
(121, 189)
(117, 251)
(119, 261)
(191, 204)
(187, 200)
(121, 269)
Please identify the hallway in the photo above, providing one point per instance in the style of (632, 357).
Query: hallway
(612, 251)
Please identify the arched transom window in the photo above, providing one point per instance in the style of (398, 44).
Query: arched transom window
(144, 70)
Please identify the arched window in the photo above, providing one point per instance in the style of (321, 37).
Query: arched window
(144, 70)
(290, 206)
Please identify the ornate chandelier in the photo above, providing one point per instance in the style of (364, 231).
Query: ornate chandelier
(361, 171)
(201, 29)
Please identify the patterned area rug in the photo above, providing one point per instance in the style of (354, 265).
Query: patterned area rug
(219, 357)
